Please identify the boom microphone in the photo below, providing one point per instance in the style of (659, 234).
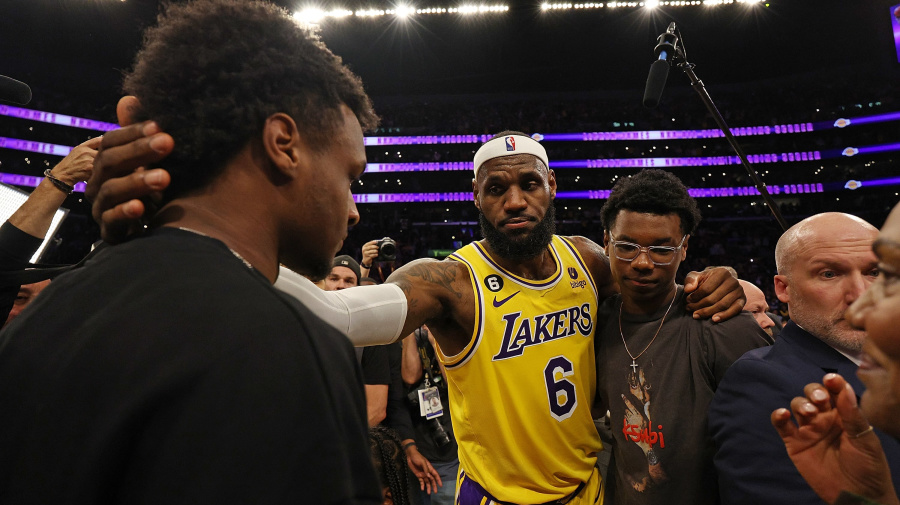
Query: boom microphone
(14, 91)
(659, 70)
(656, 81)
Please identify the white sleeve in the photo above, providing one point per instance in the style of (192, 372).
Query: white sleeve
(368, 315)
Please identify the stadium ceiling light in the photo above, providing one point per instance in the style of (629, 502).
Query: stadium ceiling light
(309, 15)
(404, 11)
(650, 4)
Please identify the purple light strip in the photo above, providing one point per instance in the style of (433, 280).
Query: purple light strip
(91, 124)
(698, 161)
(600, 194)
(602, 136)
(877, 118)
(466, 196)
(60, 119)
(891, 181)
(879, 148)
(34, 147)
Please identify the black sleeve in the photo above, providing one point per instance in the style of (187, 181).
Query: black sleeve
(16, 250)
(397, 411)
(376, 366)
(729, 340)
(750, 459)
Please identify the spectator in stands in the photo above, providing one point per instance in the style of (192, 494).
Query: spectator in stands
(657, 366)
(825, 262)
(344, 274)
(22, 234)
(169, 369)
(757, 306)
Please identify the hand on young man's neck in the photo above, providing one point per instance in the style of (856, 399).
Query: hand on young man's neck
(243, 224)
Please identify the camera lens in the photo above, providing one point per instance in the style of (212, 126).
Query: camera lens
(438, 434)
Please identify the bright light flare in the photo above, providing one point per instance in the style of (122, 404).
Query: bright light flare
(404, 11)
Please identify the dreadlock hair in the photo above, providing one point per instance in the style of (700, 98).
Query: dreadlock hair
(212, 71)
(390, 463)
(651, 191)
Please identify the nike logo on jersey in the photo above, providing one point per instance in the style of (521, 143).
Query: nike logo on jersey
(501, 302)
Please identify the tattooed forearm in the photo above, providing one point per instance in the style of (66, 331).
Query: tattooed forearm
(440, 274)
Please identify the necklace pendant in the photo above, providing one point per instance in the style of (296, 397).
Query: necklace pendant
(634, 366)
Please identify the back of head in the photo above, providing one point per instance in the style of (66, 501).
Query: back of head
(212, 71)
(390, 463)
(651, 191)
(815, 229)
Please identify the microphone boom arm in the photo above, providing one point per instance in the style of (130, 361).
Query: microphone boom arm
(670, 42)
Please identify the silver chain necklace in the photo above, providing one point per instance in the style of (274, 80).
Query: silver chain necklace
(634, 365)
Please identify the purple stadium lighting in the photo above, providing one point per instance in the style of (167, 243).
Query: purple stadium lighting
(60, 119)
(90, 124)
(466, 196)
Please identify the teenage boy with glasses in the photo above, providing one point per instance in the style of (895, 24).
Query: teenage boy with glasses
(657, 366)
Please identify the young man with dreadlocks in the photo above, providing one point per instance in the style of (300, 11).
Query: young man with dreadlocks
(657, 366)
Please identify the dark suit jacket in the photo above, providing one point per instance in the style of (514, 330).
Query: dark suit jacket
(751, 461)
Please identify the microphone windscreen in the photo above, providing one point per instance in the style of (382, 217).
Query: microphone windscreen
(656, 81)
(15, 91)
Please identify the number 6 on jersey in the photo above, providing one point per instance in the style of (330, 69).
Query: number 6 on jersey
(560, 391)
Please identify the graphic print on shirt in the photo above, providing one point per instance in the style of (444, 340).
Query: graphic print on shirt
(638, 427)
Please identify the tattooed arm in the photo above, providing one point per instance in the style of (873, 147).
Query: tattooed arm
(438, 293)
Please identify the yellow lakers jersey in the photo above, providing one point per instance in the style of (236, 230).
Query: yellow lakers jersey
(521, 391)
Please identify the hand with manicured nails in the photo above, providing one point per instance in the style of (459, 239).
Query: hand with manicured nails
(833, 445)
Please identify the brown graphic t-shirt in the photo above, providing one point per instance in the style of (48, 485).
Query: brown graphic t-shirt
(658, 402)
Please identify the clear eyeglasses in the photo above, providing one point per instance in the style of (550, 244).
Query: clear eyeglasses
(659, 254)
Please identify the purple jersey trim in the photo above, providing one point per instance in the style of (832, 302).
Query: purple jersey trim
(479, 325)
(518, 280)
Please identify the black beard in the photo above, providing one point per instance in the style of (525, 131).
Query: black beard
(520, 248)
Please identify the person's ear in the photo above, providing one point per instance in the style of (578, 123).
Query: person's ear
(283, 146)
(782, 288)
(475, 193)
(551, 180)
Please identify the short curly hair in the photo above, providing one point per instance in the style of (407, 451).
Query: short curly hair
(212, 71)
(651, 191)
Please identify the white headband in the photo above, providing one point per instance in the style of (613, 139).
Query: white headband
(508, 146)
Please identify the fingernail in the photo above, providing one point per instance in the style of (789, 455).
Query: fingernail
(716, 319)
(819, 395)
(809, 408)
(830, 376)
(852, 394)
(153, 177)
(131, 209)
(158, 143)
(150, 128)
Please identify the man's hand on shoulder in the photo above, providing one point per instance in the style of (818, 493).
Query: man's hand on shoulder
(714, 293)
